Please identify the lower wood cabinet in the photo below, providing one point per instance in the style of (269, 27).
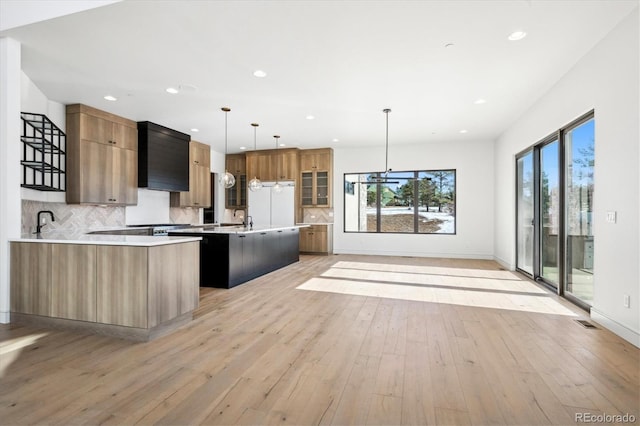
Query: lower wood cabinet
(131, 286)
(317, 239)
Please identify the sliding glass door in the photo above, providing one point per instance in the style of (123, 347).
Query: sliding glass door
(554, 205)
(525, 213)
(580, 160)
(549, 213)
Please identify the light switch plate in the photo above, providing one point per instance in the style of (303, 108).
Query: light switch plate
(611, 217)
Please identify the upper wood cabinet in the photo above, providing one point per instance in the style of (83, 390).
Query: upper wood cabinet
(316, 167)
(101, 130)
(273, 164)
(199, 194)
(236, 196)
(102, 157)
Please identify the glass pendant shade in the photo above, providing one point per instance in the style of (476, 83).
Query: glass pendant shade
(228, 180)
(255, 184)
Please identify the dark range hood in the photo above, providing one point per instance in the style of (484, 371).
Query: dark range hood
(163, 158)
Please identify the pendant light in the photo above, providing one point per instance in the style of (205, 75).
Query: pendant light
(383, 176)
(386, 154)
(277, 188)
(255, 184)
(228, 180)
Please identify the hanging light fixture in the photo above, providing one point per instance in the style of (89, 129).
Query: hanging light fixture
(228, 180)
(277, 188)
(255, 184)
(383, 176)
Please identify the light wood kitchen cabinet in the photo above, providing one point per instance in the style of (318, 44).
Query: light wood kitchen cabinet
(146, 286)
(102, 157)
(31, 278)
(105, 287)
(273, 164)
(53, 280)
(199, 194)
(236, 196)
(122, 285)
(317, 239)
(316, 167)
(73, 282)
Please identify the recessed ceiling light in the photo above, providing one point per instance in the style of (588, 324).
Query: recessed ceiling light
(336, 140)
(517, 35)
(195, 130)
(243, 148)
(172, 90)
(463, 131)
(310, 117)
(111, 98)
(480, 101)
(259, 73)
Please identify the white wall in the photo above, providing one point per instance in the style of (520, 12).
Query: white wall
(473, 162)
(607, 80)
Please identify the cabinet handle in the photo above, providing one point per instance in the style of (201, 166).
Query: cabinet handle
(196, 162)
(263, 233)
(279, 231)
(242, 236)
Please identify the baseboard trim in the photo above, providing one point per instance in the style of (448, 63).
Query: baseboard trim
(416, 254)
(507, 265)
(122, 332)
(626, 333)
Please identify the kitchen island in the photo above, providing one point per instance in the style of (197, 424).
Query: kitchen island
(232, 255)
(134, 287)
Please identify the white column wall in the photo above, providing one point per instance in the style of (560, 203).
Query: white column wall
(10, 204)
(607, 79)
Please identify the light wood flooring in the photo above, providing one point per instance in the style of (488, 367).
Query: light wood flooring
(336, 340)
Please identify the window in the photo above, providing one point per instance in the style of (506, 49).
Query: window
(415, 202)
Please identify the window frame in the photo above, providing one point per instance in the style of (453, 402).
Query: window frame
(416, 206)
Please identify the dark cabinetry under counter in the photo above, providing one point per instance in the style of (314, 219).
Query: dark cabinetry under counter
(230, 259)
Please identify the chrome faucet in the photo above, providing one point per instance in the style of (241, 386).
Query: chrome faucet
(40, 225)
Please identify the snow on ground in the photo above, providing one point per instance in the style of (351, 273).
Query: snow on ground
(446, 227)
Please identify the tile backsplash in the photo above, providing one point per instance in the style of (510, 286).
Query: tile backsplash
(317, 215)
(74, 217)
(71, 217)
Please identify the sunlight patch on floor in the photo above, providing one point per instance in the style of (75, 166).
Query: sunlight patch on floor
(10, 349)
(437, 285)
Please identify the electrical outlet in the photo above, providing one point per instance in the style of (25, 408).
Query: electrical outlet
(611, 217)
(627, 301)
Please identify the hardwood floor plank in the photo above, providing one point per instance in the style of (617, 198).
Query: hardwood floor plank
(447, 341)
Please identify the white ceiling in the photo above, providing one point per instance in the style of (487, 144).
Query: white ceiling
(340, 61)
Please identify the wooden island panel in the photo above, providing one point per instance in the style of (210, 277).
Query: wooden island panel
(122, 285)
(172, 269)
(73, 282)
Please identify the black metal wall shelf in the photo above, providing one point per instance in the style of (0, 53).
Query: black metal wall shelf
(43, 153)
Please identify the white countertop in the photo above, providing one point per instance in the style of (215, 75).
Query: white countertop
(102, 239)
(234, 229)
